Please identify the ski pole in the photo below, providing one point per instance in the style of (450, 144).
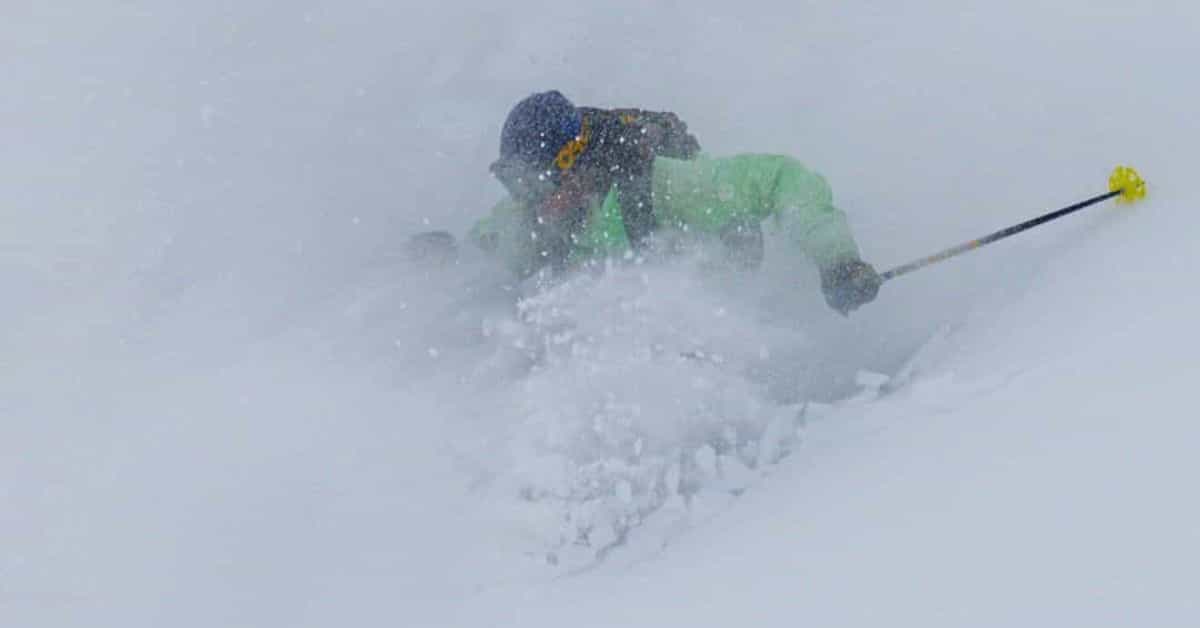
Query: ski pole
(1124, 182)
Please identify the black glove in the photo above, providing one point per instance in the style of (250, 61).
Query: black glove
(849, 284)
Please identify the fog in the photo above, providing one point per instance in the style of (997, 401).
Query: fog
(227, 400)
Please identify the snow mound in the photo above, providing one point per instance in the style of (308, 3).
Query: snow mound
(639, 405)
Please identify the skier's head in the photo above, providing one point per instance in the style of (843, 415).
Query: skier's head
(539, 127)
(542, 137)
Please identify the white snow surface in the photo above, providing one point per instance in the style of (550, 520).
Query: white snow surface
(226, 399)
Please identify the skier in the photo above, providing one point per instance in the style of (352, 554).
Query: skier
(584, 185)
(624, 144)
(600, 147)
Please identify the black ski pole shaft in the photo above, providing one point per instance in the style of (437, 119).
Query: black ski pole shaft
(992, 237)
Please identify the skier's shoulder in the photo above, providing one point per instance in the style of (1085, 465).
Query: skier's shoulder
(660, 133)
(778, 167)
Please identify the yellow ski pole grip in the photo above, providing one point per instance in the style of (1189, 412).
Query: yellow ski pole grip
(1129, 183)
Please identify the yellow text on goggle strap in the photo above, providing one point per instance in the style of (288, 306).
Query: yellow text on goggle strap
(574, 148)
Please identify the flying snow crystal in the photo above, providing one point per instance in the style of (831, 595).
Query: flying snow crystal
(634, 409)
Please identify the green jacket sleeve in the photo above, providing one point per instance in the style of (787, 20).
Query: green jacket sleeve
(507, 234)
(706, 194)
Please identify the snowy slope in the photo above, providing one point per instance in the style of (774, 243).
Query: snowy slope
(224, 402)
(1037, 470)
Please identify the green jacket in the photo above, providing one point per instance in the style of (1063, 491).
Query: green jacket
(702, 195)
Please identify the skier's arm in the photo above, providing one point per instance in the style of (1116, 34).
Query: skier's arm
(484, 234)
(809, 217)
(803, 204)
(708, 194)
(505, 234)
